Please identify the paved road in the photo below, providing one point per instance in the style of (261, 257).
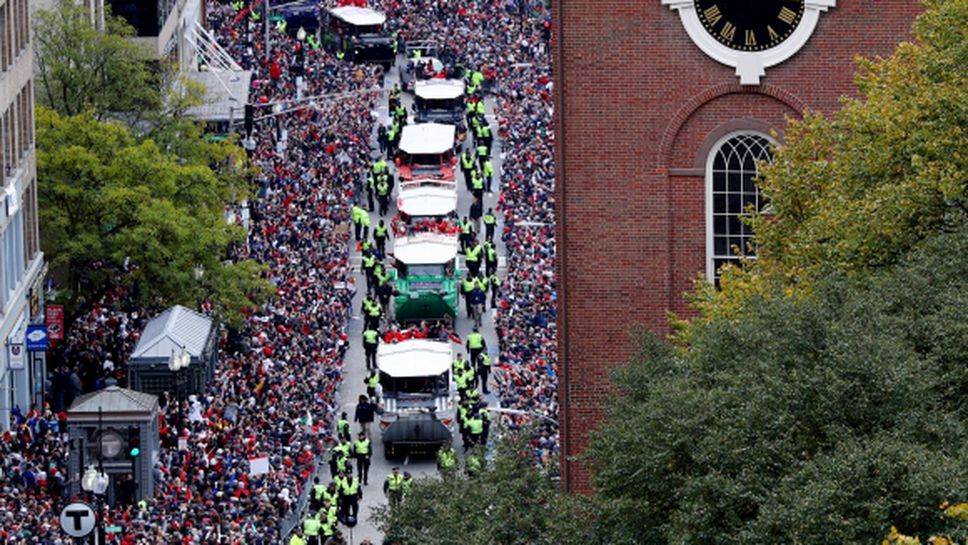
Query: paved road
(354, 367)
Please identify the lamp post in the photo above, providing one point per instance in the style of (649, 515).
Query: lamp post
(175, 364)
(94, 481)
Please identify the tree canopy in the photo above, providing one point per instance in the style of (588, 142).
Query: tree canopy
(107, 197)
(81, 68)
(510, 502)
(818, 420)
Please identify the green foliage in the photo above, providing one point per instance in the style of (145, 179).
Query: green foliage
(510, 503)
(80, 68)
(820, 420)
(855, 192)
(106, 196)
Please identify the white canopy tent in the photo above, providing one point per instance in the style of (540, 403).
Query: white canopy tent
(427, 138)
(415, 358)
(439, 89)
(427, 200)
(357, 16)
(426, 249)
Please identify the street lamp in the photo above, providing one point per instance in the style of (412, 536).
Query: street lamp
(95, 482)
(175, 364)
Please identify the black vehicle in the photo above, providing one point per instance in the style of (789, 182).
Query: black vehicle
(439, 101)
(304, 14)
(359, 33)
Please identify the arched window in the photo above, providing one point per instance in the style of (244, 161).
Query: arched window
(730, 191)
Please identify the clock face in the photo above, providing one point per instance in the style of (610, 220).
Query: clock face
(750, 25)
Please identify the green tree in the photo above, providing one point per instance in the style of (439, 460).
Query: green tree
(510, 503)
(857, 191)
(80, 68)
(817, 420)
(106, 197)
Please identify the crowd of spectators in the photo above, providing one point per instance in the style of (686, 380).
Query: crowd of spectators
(275, 387)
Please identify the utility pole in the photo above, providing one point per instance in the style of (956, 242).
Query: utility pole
(265, 20)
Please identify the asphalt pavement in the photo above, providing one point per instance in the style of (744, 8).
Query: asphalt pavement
(354, 366)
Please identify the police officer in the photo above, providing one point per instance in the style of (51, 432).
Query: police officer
(343, 428)
(466, 287)
(362, 450)
(369, 265)
(477, 184)
(360, 219)
(490, 258)
(466, 234)
(446, 460)
(472, 258)
(370, 188)
(350, 494)
(383, 195)
(488, 170)
(393, 487)
(371, 381)
(311, 527)
(380, 234)
(484, 370)
(371, 341)
(466, 165)
(493, 283)
(475, 346)
(490, 222)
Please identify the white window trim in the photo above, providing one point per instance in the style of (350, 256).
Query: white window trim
(750, 66)
(710, 248)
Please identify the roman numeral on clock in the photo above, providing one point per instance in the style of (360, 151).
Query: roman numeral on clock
(772, 33)
(750, 38)
(787, 15)
(728, 31)
(712, 14)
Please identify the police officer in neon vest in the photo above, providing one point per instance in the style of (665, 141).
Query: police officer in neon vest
(371, 341)
(362, 450)
(490, 222)
(475, 346)
(484, 370)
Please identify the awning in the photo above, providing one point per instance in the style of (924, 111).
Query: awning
(427, 201)
(439, 89)
(359, 16)
(426, 249)
(225, 94)
(414, 358)
(427, 138)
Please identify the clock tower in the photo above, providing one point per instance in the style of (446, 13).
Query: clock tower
(663, 109)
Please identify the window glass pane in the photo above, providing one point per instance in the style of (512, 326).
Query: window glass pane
(719, 181)
(719, 203)
(734, 168)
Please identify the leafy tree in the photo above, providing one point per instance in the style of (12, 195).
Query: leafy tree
(80, 68)
(107, 197)
(824, 419)
(855, 192)
(510, 502)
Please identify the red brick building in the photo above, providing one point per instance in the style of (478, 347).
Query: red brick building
(663, 106)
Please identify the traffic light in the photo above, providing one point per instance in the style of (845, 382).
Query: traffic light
(134, 442)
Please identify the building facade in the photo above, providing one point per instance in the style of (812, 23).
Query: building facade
(663, 109)
(22, 374)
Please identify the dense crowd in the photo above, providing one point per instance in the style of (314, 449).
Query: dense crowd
(275, 388)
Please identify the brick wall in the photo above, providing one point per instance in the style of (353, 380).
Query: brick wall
(637, 106)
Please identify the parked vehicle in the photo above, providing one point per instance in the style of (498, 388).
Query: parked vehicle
(419, 397)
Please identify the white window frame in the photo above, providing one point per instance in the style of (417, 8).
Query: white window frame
(710, 160)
